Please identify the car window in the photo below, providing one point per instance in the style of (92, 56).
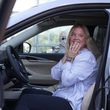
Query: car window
(50, 41)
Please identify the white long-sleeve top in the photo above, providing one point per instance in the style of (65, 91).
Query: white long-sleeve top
(75, 78)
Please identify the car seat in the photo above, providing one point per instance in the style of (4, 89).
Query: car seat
(98, 36)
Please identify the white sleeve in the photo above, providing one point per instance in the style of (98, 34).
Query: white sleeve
(77, 71)
(56, 71)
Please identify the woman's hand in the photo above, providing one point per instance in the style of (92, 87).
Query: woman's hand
(73, 50)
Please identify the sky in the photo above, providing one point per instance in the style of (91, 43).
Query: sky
(22, 5)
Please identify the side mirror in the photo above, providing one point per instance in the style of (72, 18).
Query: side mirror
(26, 47)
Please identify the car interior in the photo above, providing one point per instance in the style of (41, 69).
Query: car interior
(35, 68)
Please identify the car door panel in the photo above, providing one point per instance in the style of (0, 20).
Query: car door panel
(40, 68)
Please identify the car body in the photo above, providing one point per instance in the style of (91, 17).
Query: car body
(35, 36)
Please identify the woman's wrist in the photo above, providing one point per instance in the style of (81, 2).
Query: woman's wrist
(64, 59)
(69, 59)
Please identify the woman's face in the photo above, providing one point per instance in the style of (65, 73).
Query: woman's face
(79, 36)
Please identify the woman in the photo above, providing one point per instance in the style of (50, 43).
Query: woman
(76, 72)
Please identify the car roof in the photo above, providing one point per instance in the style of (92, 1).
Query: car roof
(16, 18)
(81, 1)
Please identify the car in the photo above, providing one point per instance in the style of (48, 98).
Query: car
(33, 41)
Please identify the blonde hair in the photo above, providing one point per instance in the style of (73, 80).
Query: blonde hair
(90, 44)
(83, 27)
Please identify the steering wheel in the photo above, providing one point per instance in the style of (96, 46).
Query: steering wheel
(19, 69)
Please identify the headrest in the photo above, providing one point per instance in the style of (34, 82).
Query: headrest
(99, 36)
